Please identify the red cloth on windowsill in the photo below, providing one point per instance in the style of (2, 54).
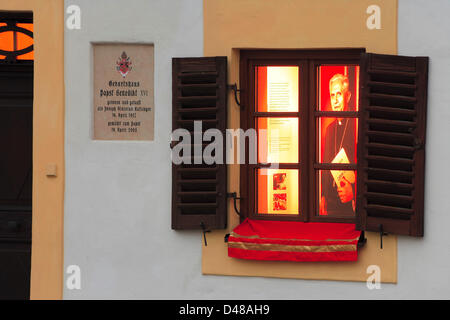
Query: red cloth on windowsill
(294, 241)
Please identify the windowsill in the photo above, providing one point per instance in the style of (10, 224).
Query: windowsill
(294, 241)
(215, 261)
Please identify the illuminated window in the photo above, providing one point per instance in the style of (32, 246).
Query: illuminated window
(16, 36)
(338, 90)
(304, 106)
(277, 123)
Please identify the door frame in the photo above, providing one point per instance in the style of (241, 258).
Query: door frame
(48, 145)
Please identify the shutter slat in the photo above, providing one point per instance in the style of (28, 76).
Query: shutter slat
(395, 197)
(391, 84)
(198, 110)
(391, 144)
(199, 190)
(198, 181)
(390, 134)
(389, 212)
(389, 187)
(391, 97)
(373, 146)
(410, 124)
(394, 160)
(197, 193)
(197, 74)
(197, 205)
(198, 86)
(196, 99)
(191, 122)
(391, 110)
(392, 74)
(197, 169)
(388, 172)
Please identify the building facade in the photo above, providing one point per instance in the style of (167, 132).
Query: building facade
(102, 208)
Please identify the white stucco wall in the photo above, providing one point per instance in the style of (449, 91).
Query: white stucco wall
(118, 194)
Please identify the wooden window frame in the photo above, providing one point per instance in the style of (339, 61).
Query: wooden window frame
(307, 60)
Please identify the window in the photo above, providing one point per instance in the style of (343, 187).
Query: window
(16, 36)
(348, 131)
(341, 139)
(305, 107)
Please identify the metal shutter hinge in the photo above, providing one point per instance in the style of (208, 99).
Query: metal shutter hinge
(362, 240)
(236, 90)
(382, 233)
(204, 232)
(235, 197)
(418, 144)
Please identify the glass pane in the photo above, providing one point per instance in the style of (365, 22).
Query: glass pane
(337, 140)
(6, 40)
(277, 191)
(277, 140)
(337, 190)
(338, 88)
(24, 41)
(276, 89)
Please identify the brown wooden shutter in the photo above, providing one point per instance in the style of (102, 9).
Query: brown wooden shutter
(391, 153)
(199, 191)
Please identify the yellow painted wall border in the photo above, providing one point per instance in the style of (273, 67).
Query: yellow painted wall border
(48, 145)
(232, 25)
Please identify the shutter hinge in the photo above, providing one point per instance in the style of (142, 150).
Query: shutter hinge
(235, 197)
(382, 233)
(362, 240)
(418, 144)
(204, 232)
(236, 90)
(225, 239)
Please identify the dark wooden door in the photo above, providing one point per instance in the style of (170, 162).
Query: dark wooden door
(16, 141)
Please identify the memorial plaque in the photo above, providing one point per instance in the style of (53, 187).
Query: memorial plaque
(123, 92)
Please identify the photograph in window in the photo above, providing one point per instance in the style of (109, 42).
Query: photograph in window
(277, 191)
(337, 139)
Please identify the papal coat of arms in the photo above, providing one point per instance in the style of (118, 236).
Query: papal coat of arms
(124, 64)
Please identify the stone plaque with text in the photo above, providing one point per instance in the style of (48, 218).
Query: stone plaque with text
(123, 92)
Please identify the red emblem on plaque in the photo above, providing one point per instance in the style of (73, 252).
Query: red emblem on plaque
(124, 64)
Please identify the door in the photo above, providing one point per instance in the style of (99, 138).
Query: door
(16, 141)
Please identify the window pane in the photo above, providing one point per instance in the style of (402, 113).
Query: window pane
(277, 191)
(337, 140)
(6, 40)
(338, 88)
(277, 140)
(276, 89)
(337, 190)
(24, 41)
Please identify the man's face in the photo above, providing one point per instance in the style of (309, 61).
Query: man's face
(339, 97)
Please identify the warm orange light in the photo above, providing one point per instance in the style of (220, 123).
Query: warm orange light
(278, 143)
(338, 90)
(278, 188)
(6, 40)
(277, 191)
(22, 41)
(282, 89)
